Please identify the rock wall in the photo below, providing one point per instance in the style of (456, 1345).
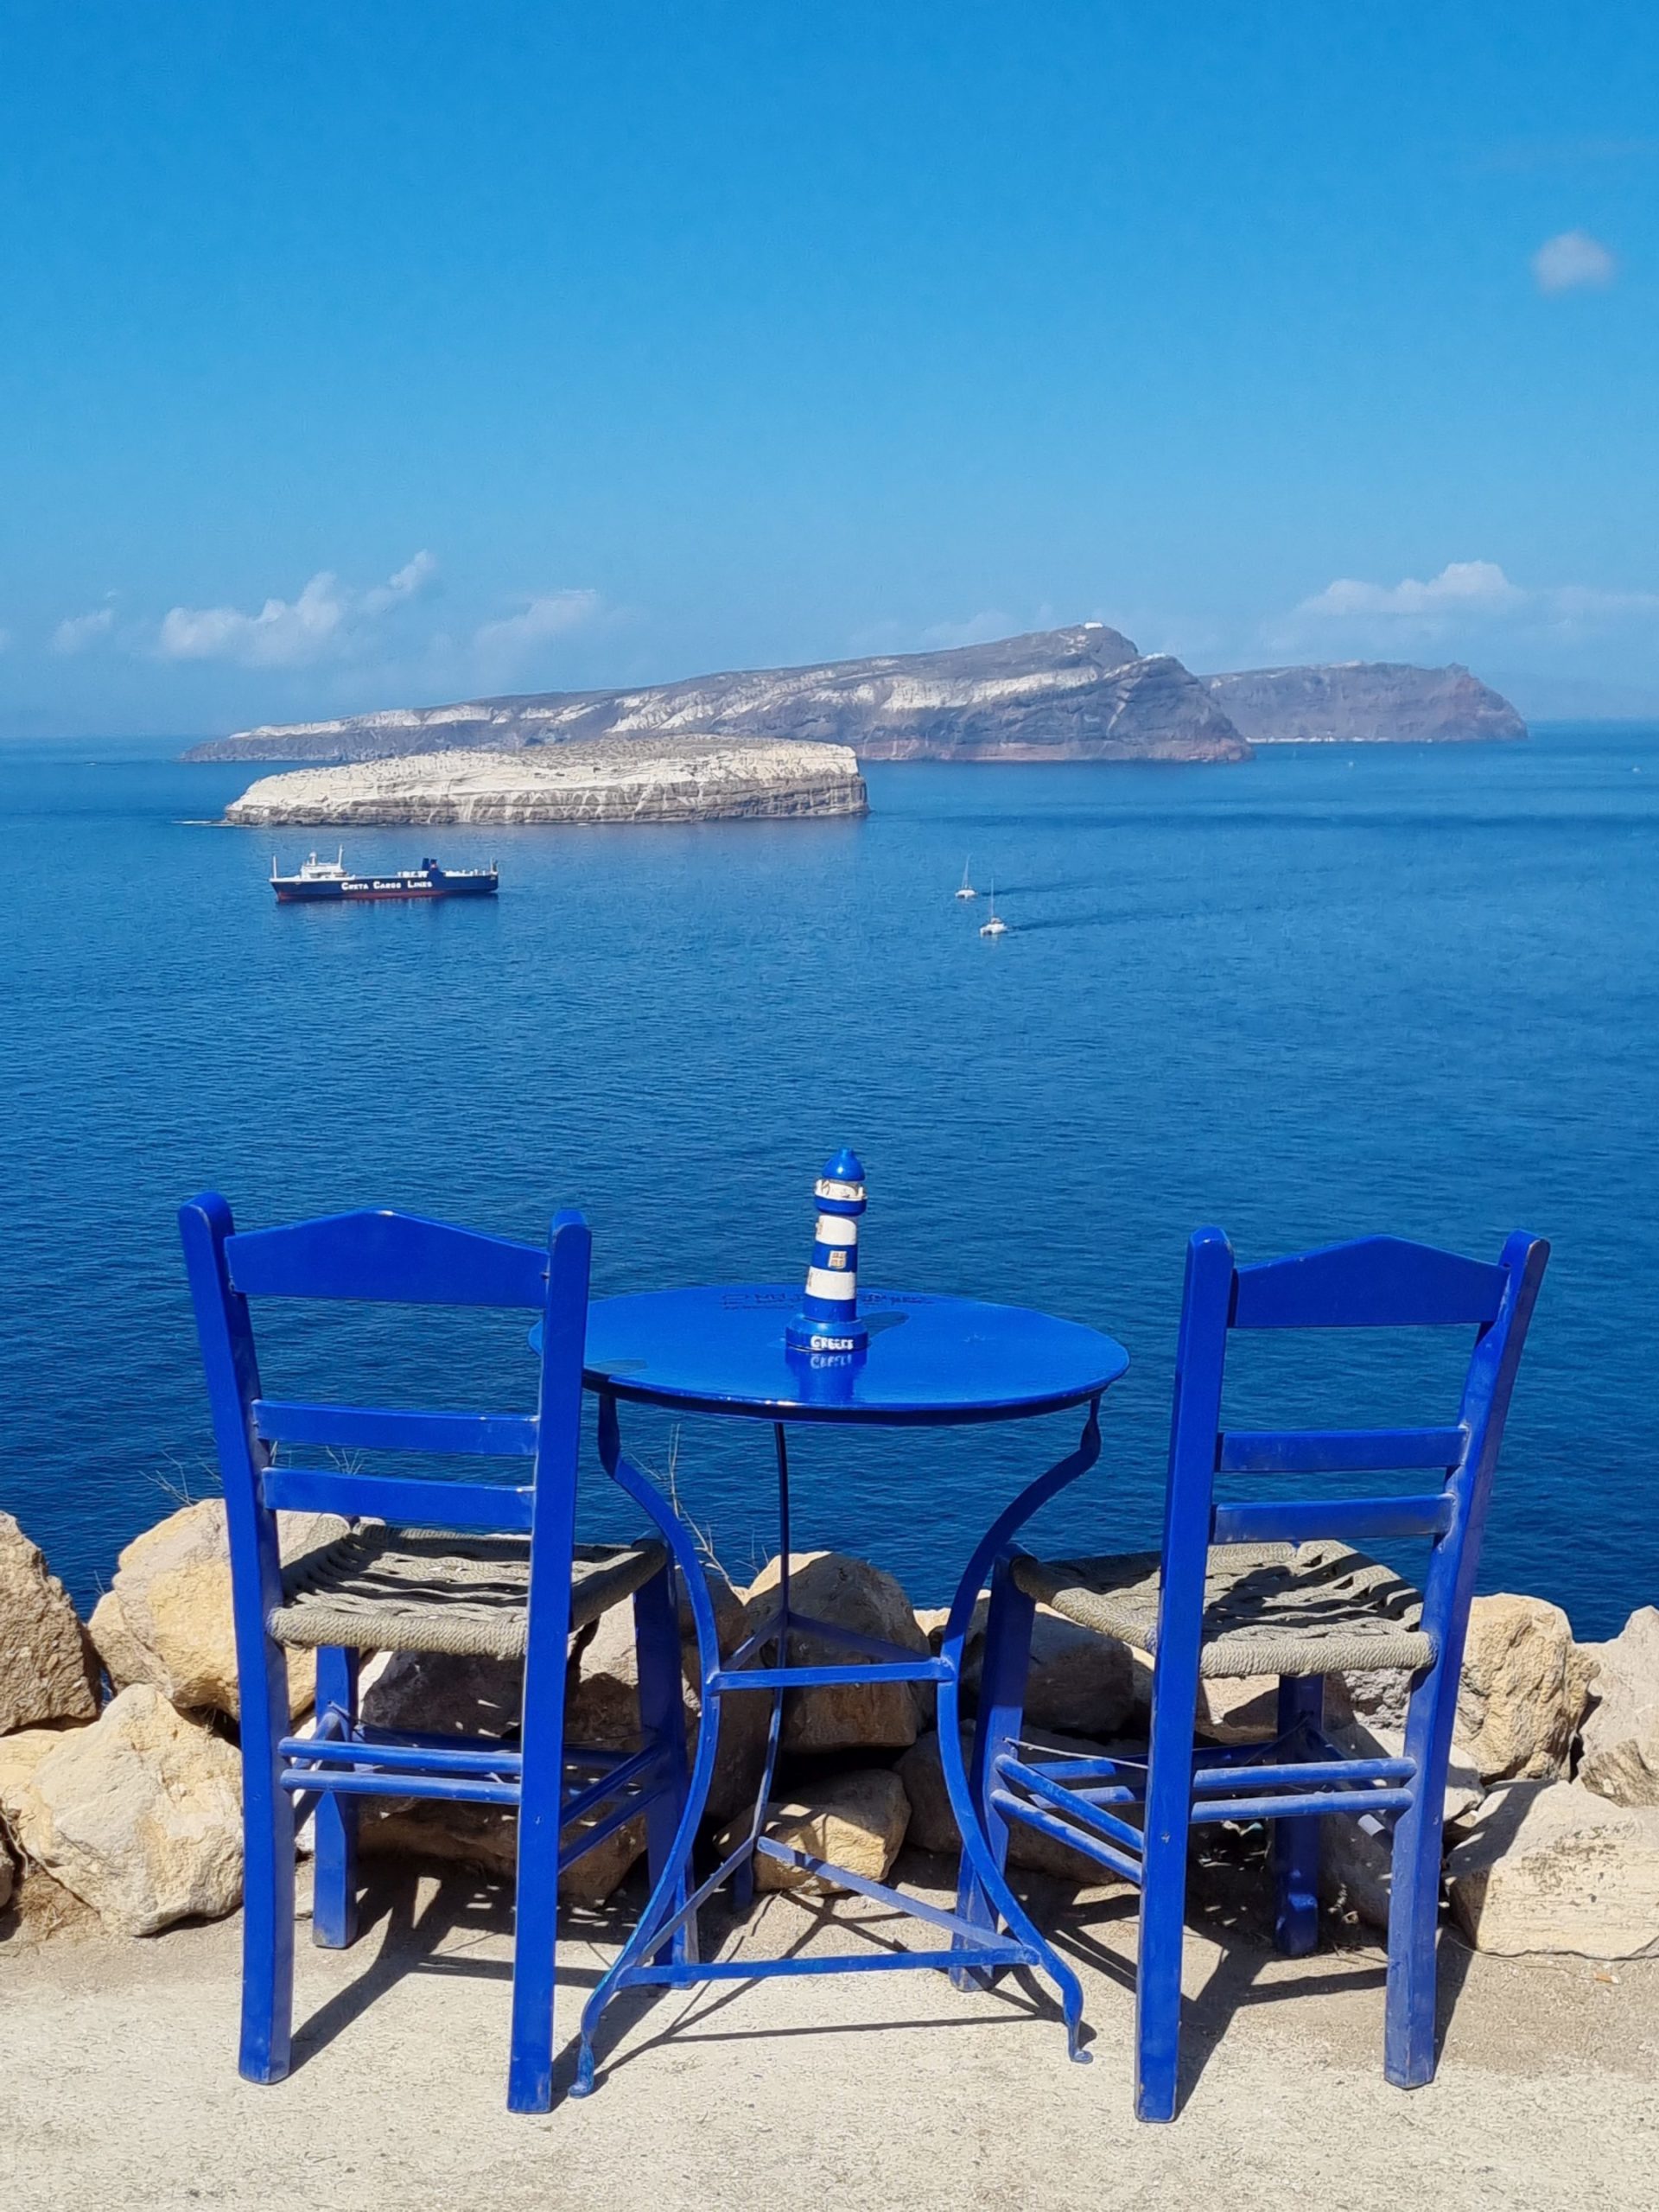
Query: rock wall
(1363, 702)
(640, 781)
(132, 1806)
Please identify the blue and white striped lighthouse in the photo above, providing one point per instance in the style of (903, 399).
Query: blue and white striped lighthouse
(828, 1320)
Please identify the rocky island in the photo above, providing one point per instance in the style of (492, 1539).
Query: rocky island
(709, 779)
(1364, 702)
(1082, 693)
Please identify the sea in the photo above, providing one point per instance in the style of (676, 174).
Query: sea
(1331, 991)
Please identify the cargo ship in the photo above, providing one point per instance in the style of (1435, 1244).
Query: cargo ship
(333, 879)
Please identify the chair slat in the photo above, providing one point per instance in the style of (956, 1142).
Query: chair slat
(1336, 1450)
(401, 1259)
(490, 1761)
(407, 1503)
(1050, 1824)
(373, 1429)
(1352, 1521)
(1376, 1283)
(1301, 1805)
(1287, 1774)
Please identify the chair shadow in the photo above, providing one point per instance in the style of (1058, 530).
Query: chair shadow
(1230, 1901)
(437, 1933)
(431, 1921)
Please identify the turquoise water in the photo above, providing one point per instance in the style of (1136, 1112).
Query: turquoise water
(1328, 992)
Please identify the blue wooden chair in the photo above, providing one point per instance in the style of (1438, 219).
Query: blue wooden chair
(1274, 1589)
(427, 1565)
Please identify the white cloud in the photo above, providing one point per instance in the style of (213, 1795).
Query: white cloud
(1573, 261)
(77, 634)
(1465, 596)
(506, 642)
(1462, 587)
(329, 620)
(406, 584)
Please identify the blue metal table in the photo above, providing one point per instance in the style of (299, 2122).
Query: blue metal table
(930, 1362)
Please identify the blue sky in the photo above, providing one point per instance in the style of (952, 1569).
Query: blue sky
(357, 355)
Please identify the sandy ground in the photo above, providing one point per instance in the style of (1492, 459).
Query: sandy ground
(119, 2089)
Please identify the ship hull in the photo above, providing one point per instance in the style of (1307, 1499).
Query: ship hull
(354, 889)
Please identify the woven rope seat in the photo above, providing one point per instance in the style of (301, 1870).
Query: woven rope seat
(1268, 1608)
(384, 1589)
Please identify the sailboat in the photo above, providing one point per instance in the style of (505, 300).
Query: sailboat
(964, 889)
(994, 926)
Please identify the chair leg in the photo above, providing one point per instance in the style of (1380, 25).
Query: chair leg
(1408, 2049)
(662, 1717)
(1296, 1843)
(267, 1882)
(333, 1907)
(535, 1919)
(1163, 1908)
(1004, 1665)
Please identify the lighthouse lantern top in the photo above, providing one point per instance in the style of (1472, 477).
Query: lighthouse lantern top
(841, 1186)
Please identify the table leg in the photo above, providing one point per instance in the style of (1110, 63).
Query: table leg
(984, 1895)
(668, 1907)
(743, 1880)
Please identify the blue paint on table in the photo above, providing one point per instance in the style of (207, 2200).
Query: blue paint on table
(931, 1362)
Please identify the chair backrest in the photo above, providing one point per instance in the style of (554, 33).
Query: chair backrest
(392, 1258)
(1376, 1282)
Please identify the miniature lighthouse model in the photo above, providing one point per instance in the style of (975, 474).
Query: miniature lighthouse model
(828, 1320)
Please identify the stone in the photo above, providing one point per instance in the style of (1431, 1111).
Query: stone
(1356, 1864)
(124, 1658)
(1377, 1697)
(1080, 1682)
(591, 1879)
(1245, 1711)
(857, 1819)
(604, 1707)
(139, 1814)
(42, 1910)
(47, 1672)
(485, 1837)
(445, 1693)
(166, 1618)
(1524, 1689)
(1620, 1736)
(853, 1594)
(1551, 1866)
(8, 1878)
(933, 1824)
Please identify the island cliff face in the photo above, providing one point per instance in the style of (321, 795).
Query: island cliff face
(650, 779)
(1078, 694)
(1363, 702)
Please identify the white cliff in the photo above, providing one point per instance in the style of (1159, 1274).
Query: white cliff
(708, 778)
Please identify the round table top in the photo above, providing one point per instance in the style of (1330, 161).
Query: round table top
(719, 1349)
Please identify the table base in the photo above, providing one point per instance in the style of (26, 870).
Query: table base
(663, 1950)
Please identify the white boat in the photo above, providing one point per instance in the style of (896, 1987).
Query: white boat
(964, 889)
(995, 925)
